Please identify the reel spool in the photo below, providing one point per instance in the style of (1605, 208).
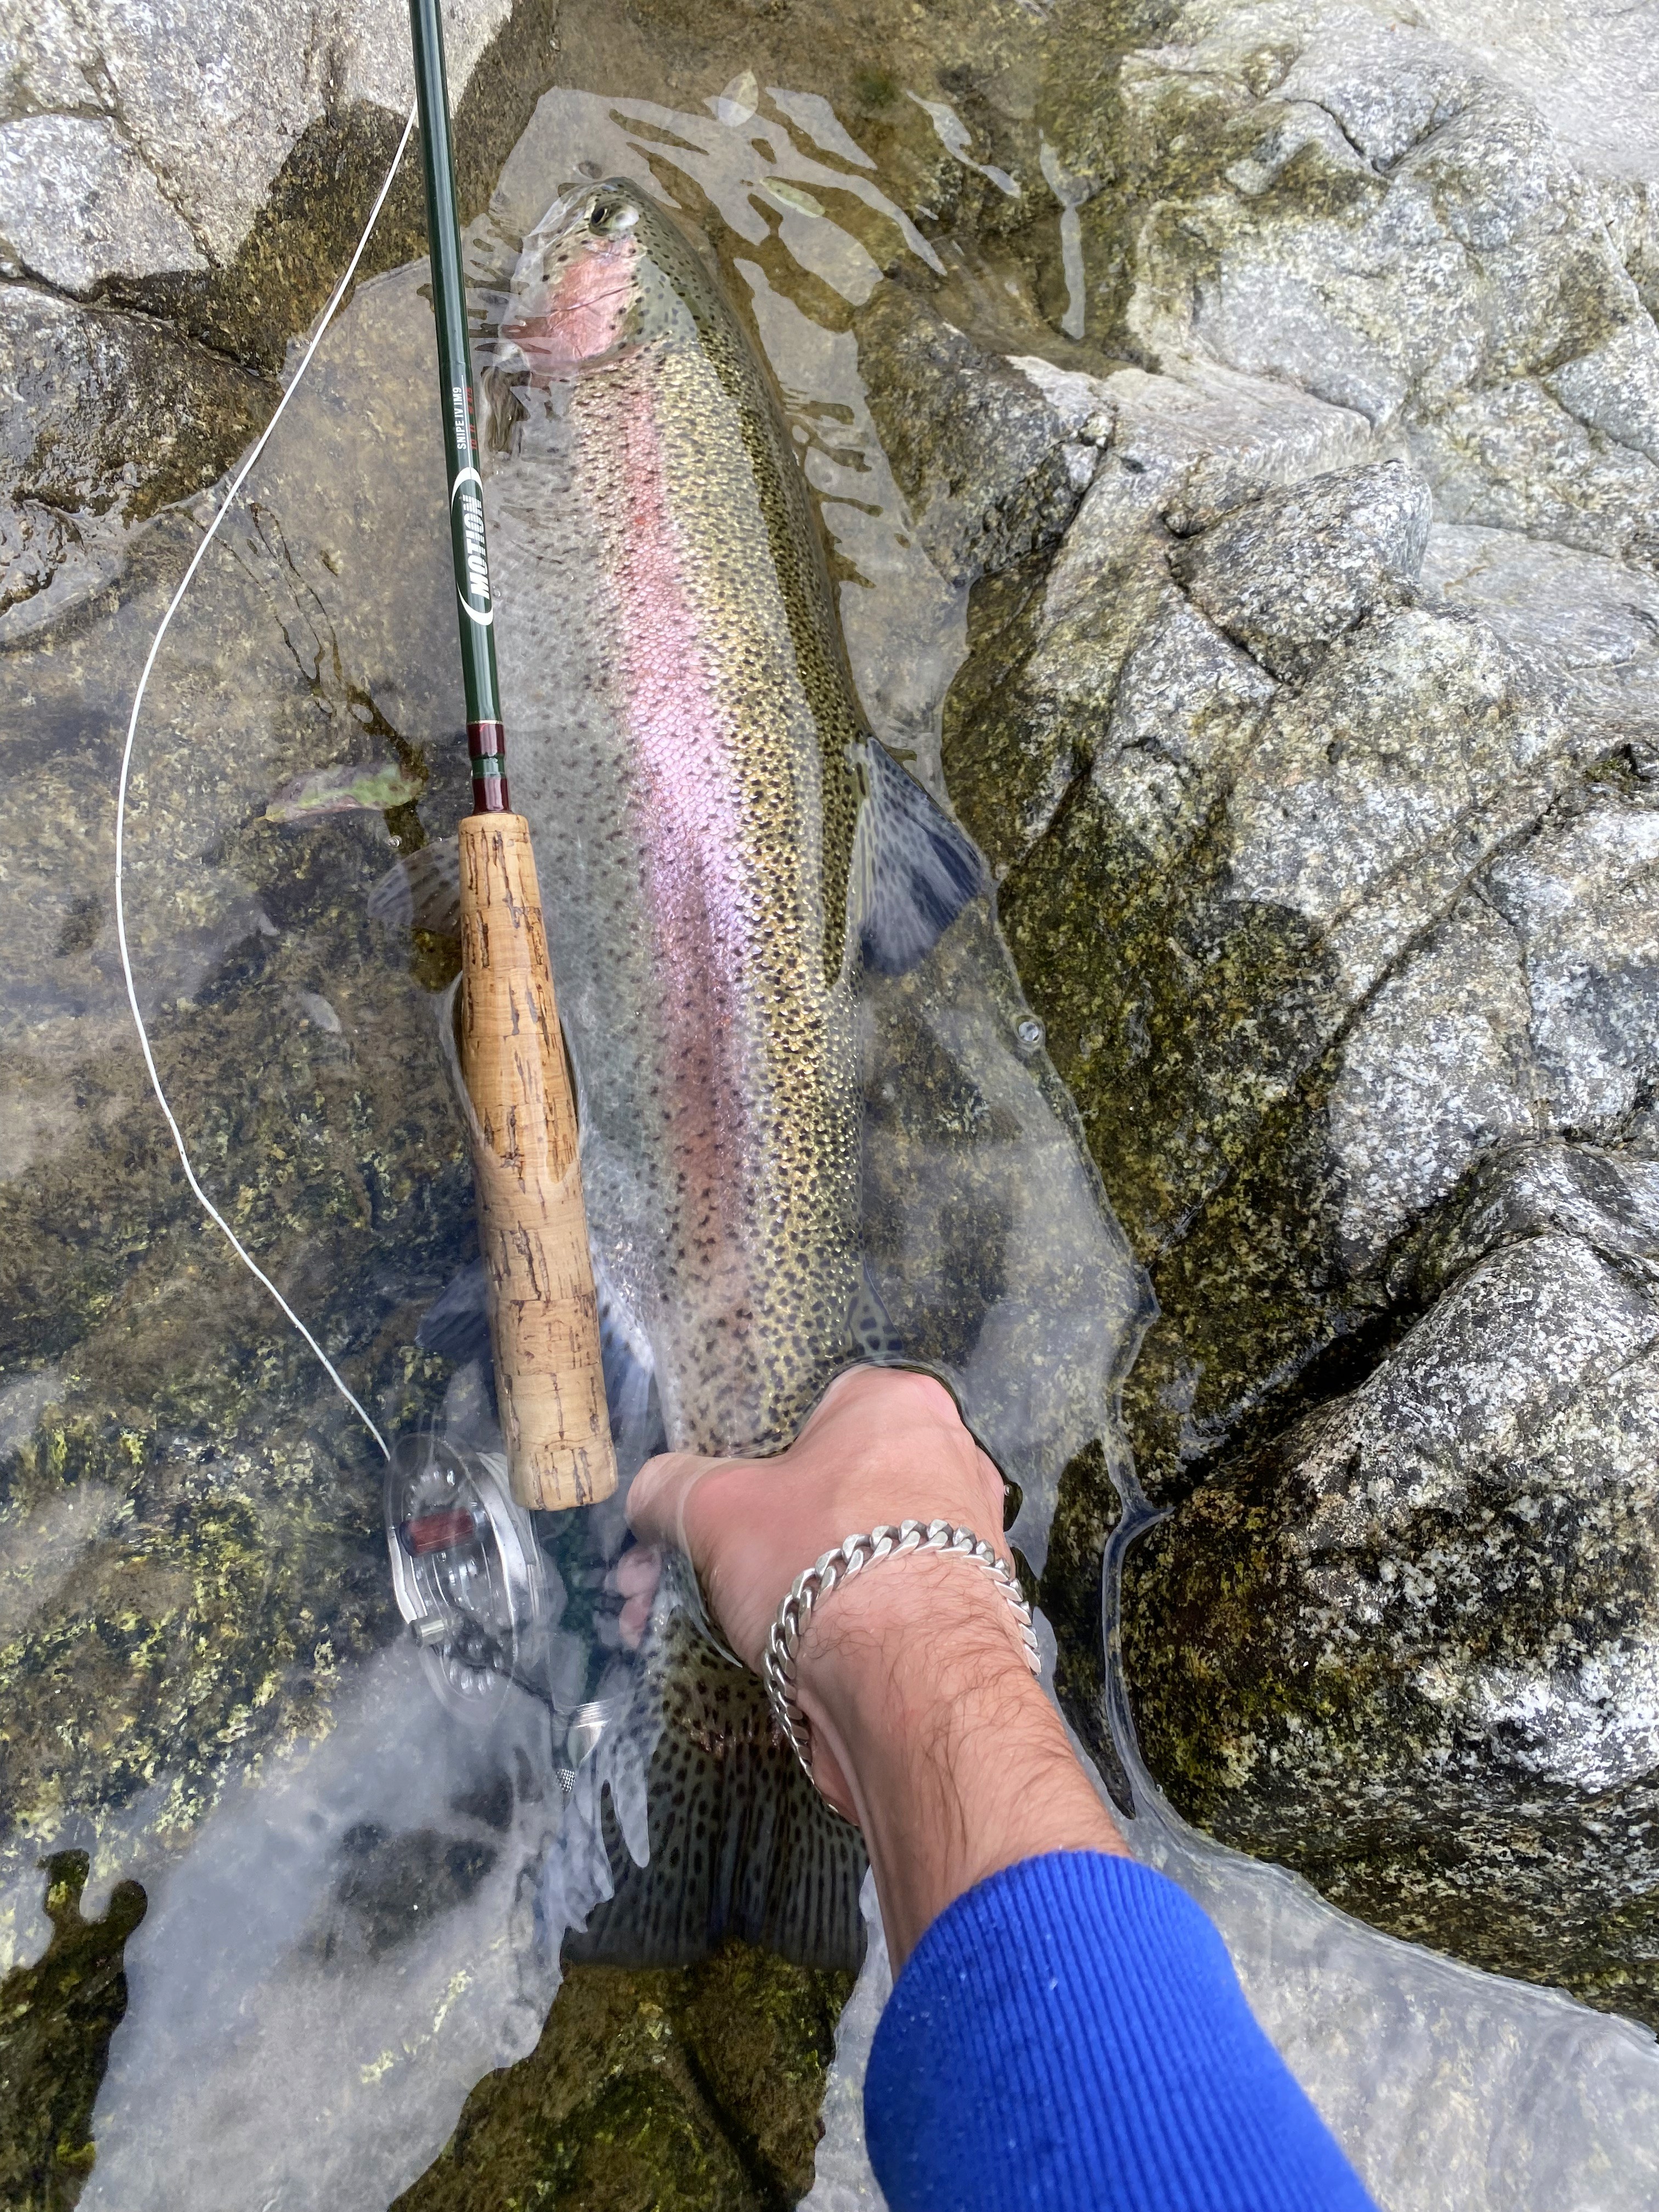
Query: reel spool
(481, 1601)
(467, 1573)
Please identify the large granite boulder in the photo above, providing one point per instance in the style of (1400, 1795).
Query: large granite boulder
(178, 194)
(1317, 766)
(134, 143)
(1411, 1644)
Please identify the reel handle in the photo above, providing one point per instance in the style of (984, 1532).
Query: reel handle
(543, 1315)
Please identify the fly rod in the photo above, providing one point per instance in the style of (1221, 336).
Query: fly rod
(532, 1231)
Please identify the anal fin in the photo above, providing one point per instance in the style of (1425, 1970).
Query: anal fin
(740, 1841)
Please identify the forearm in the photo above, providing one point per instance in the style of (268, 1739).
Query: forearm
(1069, 2030)
(956, 1763)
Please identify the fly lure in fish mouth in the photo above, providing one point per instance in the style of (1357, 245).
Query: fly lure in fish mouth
(223, 508)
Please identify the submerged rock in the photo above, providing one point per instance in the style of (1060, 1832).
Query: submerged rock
(109, 418)
(177, 200)
(681, 2089)
(55, 2020)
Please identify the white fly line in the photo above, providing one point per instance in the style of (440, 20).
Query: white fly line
(223, 508)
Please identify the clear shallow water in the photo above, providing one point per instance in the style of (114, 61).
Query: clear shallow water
(356, 1893)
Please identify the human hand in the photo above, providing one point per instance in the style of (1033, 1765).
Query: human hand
(927, 1727)
(882, 1444)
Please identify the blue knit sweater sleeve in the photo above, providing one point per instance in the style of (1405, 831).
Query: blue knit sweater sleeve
(1071, 2034)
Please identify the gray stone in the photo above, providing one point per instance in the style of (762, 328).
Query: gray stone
(1437, 1069)
(1210, 439)
(1583, 898)
(1592, 623)
(1030, 715)
(1325, 839)
(1291, 575)
(1362, 208)
(209, 175)
(1592, 70)
(1408, 758)
(987, 462)
(35, 544)
(77, 204)
(1440, 1627)
(106, 418)
(133, 141)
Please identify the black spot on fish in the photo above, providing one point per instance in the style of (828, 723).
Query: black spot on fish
(740, 1841)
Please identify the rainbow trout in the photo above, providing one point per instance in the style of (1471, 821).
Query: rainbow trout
(725, 849)
(723, 843)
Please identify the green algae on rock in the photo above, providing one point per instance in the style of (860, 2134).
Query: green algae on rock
(1424, 1609)
(55, 2020)
(670, 2089)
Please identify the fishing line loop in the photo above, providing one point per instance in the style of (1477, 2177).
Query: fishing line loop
(223, 508)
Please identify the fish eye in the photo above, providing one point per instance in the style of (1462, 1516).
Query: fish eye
(611, 214)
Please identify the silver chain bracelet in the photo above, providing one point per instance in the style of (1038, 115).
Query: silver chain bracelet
(853, 1556)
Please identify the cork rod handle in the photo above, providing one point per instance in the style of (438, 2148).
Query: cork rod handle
(543, 1317)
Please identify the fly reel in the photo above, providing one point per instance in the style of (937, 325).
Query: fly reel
(468, 1574)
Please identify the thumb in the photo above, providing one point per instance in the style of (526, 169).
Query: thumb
(657, 1496)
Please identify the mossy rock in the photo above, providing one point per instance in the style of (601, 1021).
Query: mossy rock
(57, 2017)
(653, 2091)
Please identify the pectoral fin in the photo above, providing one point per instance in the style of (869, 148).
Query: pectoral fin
(914, 869)
(423, 891)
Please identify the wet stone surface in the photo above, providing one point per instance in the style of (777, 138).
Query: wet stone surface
(1291, 426)
(1426, 1608)
(653, 2089)
(55, 2020)
(1316, 789)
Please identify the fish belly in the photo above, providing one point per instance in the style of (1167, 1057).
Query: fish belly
(666, 754)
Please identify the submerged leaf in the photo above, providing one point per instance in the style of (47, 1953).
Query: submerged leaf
(792, 196)
(349, 788)
(736, 105)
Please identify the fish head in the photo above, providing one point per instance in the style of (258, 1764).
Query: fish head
(595, 282)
